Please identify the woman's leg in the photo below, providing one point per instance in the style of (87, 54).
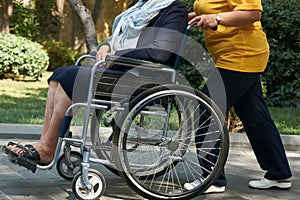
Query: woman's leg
(263, 134)
(56, 106)
(53, 85)
(226, 88)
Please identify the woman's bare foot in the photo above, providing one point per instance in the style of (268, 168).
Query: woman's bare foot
(45, 153)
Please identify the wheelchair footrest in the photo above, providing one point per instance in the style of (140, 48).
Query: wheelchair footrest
(23, 161)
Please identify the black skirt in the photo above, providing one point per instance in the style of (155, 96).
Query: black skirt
(75, 80)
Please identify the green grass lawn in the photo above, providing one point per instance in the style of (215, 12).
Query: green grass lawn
(287, 120)
(24, 103)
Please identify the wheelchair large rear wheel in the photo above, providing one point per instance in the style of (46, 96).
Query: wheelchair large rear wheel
(170, 136)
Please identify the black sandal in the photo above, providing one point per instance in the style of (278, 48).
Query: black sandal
(29, 159)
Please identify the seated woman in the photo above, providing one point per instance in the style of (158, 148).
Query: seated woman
(133, 36)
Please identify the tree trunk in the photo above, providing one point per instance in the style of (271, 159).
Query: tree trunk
(87, 21)
(97, 10)
(6, 9)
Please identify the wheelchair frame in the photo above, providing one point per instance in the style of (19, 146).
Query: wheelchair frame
(173, 151)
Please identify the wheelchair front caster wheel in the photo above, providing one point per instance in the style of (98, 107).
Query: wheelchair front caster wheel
(68, 167)
(97, 181)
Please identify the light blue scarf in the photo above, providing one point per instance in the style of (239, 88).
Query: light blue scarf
(129, 24)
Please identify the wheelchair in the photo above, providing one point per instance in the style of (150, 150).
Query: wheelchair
(163, 134)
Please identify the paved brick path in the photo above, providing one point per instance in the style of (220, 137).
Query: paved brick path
(18, 183)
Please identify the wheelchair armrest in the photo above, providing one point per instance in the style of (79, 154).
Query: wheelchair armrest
(113, 59)
(84, 58)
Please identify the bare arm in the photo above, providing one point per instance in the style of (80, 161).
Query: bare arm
(233, 18)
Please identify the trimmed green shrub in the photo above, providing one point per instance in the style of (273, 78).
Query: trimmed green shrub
(59, 54)
(20, 56)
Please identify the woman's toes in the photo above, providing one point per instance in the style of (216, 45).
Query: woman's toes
(15, 149)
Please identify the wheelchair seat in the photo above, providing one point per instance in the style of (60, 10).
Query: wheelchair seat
(138, 76)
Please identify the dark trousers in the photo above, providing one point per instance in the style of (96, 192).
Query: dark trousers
(243, 91)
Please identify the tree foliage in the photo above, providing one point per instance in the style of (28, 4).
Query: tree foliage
(24, 22)
(281, 23)
(48, 19)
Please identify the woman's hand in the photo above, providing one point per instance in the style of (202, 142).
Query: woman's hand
(233, 18)
(191, 15)
(102, 52)
(206, 21)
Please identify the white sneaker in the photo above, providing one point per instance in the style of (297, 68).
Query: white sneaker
(215, 189)
(211, 189)
(266, 184)
(192, 185)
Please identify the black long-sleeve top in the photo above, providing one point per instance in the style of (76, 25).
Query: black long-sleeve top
(161, 39)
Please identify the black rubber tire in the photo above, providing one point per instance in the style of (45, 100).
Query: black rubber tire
(65, 171)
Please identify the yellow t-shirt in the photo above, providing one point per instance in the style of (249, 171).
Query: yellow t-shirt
(243, 48)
